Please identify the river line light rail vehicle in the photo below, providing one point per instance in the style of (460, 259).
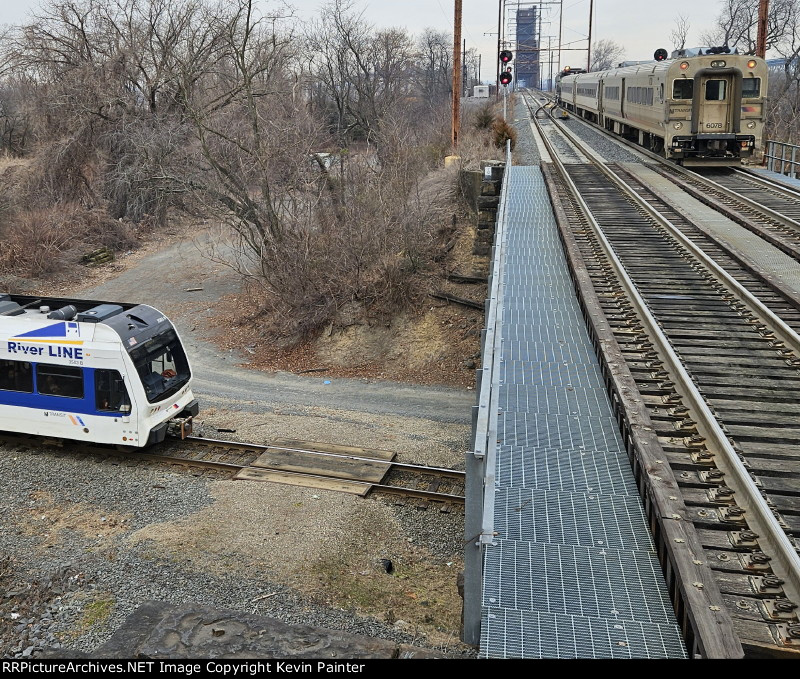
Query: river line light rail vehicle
(702, 107)
(96, 372)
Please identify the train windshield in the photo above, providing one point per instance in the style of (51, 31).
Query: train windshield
(162, 366)
(683, 89)
(751, 87)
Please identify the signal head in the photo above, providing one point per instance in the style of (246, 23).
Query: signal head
(506, 56)
(660, 54)
(506, 77)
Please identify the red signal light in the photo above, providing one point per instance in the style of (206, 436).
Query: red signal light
(506, 56)
(505, 78)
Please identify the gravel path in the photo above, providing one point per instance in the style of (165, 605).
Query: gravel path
(84, 541)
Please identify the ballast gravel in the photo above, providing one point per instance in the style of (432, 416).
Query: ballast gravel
(84, 540)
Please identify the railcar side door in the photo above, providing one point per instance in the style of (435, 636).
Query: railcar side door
(716, 100)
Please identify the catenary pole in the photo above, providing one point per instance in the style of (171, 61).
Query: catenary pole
(589, 48)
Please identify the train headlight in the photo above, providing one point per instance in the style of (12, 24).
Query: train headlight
(751, 124)
(751, 63)
(684, 65)
(718, 64)
(678, 126)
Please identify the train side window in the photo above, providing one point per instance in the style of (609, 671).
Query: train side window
(715, 90)
(110, 393)
(59, 380)
(683, 88)
(751, 87)
(16, 376)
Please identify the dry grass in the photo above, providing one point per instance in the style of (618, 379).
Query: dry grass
(41, 242)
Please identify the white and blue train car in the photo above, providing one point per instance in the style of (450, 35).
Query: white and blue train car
(90, 371)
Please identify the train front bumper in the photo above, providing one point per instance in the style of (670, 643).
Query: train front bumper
(712, 146)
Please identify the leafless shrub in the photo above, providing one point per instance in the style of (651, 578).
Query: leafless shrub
(63, 171)
(502, 132)
(484, 117)
(40, 241)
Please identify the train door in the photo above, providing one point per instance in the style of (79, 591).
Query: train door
(622, 100)
(600, 116)
(716, 98)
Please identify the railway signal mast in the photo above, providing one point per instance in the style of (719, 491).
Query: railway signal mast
(505, 76)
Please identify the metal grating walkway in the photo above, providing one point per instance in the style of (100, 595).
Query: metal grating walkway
(571, 570)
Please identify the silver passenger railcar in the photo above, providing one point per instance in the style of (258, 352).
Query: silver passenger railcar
(704, 106)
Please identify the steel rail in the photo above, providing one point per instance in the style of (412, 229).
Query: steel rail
(778, 187)
(760, 516)
(441, 471)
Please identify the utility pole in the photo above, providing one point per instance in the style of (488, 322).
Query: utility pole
(456, 72)
(761, 43)
(539, 47)
(499, 48)
(560, 23)
(589, 48)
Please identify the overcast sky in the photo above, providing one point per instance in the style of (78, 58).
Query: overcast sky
(640, 27)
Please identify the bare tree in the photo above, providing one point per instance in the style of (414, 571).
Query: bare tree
(138, 106)
(109, 81)
(605, 54)
(737, 24)
(680, 33)
(434, 73)
(364, 73)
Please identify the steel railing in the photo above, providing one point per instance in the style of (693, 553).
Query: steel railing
(481, 460)
(782, 158)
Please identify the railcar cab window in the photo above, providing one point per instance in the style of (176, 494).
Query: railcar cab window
(683, 88)
(751, 87)
(59, 380)
(110, 393)
(716, 90)
(16, 376)
(162, 366)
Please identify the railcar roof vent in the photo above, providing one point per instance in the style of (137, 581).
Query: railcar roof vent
(10, 308)
(99, 313)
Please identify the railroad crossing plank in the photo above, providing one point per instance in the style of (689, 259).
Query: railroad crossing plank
(336, 467)
(307, 481)
(377, 453)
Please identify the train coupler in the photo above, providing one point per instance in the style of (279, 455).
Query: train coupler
(181, 426)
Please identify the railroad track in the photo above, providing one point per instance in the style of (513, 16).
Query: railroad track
(769, 209)
(712, 352)
(330, 467)
(346, 469)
